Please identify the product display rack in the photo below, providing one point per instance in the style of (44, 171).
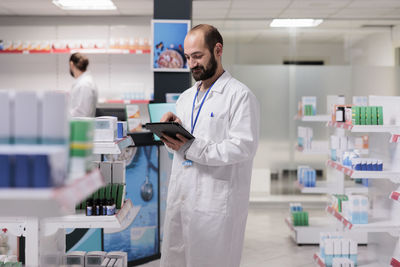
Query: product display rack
(112, 147)
(127, 213)
(314, 118)
(334, 185)
(82, 50)
(394, 176)
(383, 227)
(324, 187)
(30, 206)
(35, 214)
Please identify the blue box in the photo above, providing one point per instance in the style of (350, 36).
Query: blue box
(120, 130)
(41, 171)
(5, 173)
(22, 172)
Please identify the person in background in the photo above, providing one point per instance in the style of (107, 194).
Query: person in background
(208, 194)
(84, 90)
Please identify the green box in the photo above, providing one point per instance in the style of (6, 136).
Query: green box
(362, 115)
(374, 116)
(102, 193)
(108, 191)
(114, 192)
(368, 116)
(380, 115)
(120, 194)
(82, 130)
(355, 115)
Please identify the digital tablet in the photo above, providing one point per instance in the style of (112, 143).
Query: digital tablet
(168, 128)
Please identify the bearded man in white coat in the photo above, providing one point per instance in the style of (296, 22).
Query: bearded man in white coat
(208, 193)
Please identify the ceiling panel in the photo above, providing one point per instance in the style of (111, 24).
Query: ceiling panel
(208, 5)
(274, 4)
(319, 3)
(370, 4)
(307, 13)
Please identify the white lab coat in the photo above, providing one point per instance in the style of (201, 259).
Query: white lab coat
(207, 203)
(84, 96)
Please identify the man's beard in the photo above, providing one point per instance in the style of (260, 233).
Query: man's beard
(205, 73)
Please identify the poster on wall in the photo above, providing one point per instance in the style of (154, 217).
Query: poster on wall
(167, 50)
(139, 235)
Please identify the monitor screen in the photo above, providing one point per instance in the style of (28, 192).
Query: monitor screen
(157, 110)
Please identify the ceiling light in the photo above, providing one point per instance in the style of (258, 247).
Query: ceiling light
(292, 23)
(85, 4)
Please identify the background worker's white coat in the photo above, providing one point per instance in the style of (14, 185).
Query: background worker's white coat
(207, 203)
(84, 96)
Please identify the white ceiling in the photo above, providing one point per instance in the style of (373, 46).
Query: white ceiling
(248, 20)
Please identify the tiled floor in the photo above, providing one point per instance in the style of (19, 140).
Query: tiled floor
(267, 241)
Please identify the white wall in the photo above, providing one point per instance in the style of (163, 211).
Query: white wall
(275, 53)
(113, 74)
(374, 50)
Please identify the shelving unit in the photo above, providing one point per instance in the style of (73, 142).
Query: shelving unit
(391, 175)
(311, 151)
(49, 202)
(127, 213)
(83, 50)
(115, 147)
(315, 118)
(324, 187)
(318, 260)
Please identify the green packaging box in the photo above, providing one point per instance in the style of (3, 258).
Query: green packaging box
(374, 116)
(380, 115)
(362, 115)
(368, 116)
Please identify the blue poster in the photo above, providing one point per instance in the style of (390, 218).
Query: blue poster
(167, 50)
(140, 237)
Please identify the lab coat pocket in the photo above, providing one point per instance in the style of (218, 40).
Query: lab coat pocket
(212, 195)
(217, 128)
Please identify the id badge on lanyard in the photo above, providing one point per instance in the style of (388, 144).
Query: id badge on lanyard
(188, 163)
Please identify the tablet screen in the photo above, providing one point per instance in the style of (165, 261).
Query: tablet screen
(157, 110)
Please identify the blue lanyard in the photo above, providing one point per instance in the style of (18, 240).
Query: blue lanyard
(201, 105)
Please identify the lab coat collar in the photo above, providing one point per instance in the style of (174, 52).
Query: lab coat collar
(219, 83)
(83, 75)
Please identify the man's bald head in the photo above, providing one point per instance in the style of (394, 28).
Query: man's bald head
(211, 35)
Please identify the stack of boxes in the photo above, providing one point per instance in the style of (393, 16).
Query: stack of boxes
(304, 137)
(81, 146)
(33, 139)
(355, 209)
(114, 176)
(334, 250)
(306, 176)
(309, 105)
(299, 217)
(367, 115)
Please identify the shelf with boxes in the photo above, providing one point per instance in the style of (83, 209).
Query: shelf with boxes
(114, 147)
(123, 217)
(394, 176)
(324, 187)
(314, 118)
(380, 226)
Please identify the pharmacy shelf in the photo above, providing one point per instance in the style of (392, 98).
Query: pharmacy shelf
(312, 151)
(314, 118)
(394, 130)
(307, 235)
(127, 213)
(318, 260)
(391, 175)
(324, 187)
(49, 202)
(115, 147)
(379, 226)
(395, 262)
(83, 50)
(395, 195)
